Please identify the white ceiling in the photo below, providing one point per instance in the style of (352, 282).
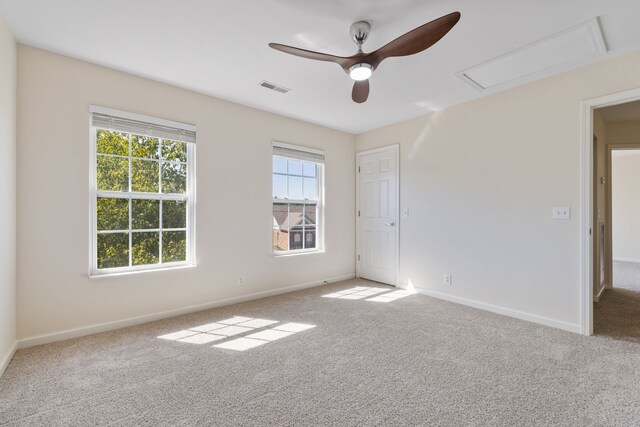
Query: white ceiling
(220, 47)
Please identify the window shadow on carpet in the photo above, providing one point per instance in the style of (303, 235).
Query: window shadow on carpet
(370, 294)
(251, 332)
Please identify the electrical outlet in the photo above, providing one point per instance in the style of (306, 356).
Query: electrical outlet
(447, 279)
(241, 279)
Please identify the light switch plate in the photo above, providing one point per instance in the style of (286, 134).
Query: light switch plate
(562, 212)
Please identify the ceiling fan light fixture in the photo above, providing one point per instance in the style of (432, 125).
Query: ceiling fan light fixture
(361, 71)
(361, 65)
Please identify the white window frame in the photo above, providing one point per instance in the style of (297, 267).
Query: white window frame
(319, 191)
(189, 197)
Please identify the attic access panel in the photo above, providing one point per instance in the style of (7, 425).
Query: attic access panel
(574, 44)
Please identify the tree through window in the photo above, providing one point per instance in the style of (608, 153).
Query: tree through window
(143, 193)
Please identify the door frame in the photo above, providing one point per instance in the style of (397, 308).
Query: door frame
(396, 149)
(587, 188)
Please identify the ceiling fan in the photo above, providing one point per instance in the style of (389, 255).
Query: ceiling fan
(361, 65)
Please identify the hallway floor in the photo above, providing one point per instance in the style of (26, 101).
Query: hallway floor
(617, 315)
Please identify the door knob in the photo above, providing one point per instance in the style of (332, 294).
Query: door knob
(391, 224)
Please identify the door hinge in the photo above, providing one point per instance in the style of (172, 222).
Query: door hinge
(358, 168)
(358, 213)
(358, 257)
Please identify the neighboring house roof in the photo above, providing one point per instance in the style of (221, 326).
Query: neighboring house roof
(294, 219)
(279, 215)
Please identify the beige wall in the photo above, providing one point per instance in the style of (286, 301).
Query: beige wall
(481, 179)
(234, 219)
(623, 133)
(7, 194)
(625, 192)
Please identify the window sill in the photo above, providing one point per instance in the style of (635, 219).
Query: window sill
(296, 253)
(105, 274)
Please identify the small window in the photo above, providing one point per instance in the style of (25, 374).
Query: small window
(297, 202)
(142, 193)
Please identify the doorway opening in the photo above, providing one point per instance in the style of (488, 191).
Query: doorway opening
(589, 205)
(616, 221)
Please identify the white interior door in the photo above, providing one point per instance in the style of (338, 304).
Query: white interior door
(377, 220)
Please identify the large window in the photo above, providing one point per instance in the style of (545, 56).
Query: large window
(142, 192)
(297, 199)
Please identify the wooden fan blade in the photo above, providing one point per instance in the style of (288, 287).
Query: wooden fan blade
(417, 39)
(309, 54)
(360, 91)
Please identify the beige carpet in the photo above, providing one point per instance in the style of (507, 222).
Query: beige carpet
(355, 358)
(617, 315)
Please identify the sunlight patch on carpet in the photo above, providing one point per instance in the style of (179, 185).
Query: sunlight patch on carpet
(241, 344)
(392, 296)
(248, 327)
(370, 294)
(359, 292)
(263, 337)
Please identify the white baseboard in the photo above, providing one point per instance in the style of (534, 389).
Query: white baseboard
(4, 362)
(627, 260)
(109, 326)
(504, 311)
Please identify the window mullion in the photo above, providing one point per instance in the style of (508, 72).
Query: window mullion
(117, 156)
(296, 201)
(130, 232)
(130, 204)
(288, 224)
(146, 196)
(288, 180)
(160, 166)
(129, 161)
(160, 234)
(304, 223)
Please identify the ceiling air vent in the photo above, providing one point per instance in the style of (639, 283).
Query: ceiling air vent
(273, 86)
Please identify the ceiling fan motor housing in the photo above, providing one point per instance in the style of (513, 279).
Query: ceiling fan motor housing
(360, 31)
